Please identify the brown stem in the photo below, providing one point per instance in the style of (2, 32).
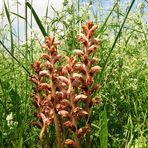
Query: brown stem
(41, 135)
(70, 92)
(88, 124)
(57, 129)
(41, 146)
(56, 122)
(47, 139)
(88, 140)
(87, 107)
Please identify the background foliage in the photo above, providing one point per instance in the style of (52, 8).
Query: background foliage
(121, 118)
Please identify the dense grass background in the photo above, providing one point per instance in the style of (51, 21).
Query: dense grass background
(121, 118)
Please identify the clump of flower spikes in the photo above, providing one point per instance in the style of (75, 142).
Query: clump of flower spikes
(63, 94)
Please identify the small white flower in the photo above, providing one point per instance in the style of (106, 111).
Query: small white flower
(9, 119)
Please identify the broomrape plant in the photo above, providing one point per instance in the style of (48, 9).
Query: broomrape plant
(63, 92)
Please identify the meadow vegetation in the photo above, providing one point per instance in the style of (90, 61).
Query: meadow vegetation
(121, 117)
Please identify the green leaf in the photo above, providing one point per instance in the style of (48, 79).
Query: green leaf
(104, 130)
(11, 33)
(15, 98)
(42, 29)
(20, 16)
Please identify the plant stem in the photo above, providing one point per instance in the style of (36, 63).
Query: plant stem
(57, 129)
(70, 91)
(88, 124)
(56, 122)
(47, 139)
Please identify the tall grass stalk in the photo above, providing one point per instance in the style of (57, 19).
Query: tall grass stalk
(116, 39)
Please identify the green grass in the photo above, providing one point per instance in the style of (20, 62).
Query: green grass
(121, 118)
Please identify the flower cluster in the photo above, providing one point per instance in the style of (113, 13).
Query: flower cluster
(63, 94)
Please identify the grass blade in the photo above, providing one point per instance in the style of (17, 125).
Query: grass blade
(108, 16)
(104, 130)
(14, 57)
(18, 15)
(9, 21)
(42, 29)
(116, 39)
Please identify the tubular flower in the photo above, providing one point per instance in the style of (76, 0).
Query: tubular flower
(63, 93)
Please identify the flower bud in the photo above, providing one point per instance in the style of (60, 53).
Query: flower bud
(57, 57)
(90, 24)
(46, 56)
(70, 142)
(49, 66)
(95, 69)
(34, 79)
(78, 52)
(65, 103)
(64, 113)
(44, 73)
(59, 95)
(77, 76)
(80, 97)
(80, 67)
(70, 125)
(82, 39)
(91, 49)
(37, 66)
(83, 131)
(44, 86)
(79, 112)
(63, 79)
